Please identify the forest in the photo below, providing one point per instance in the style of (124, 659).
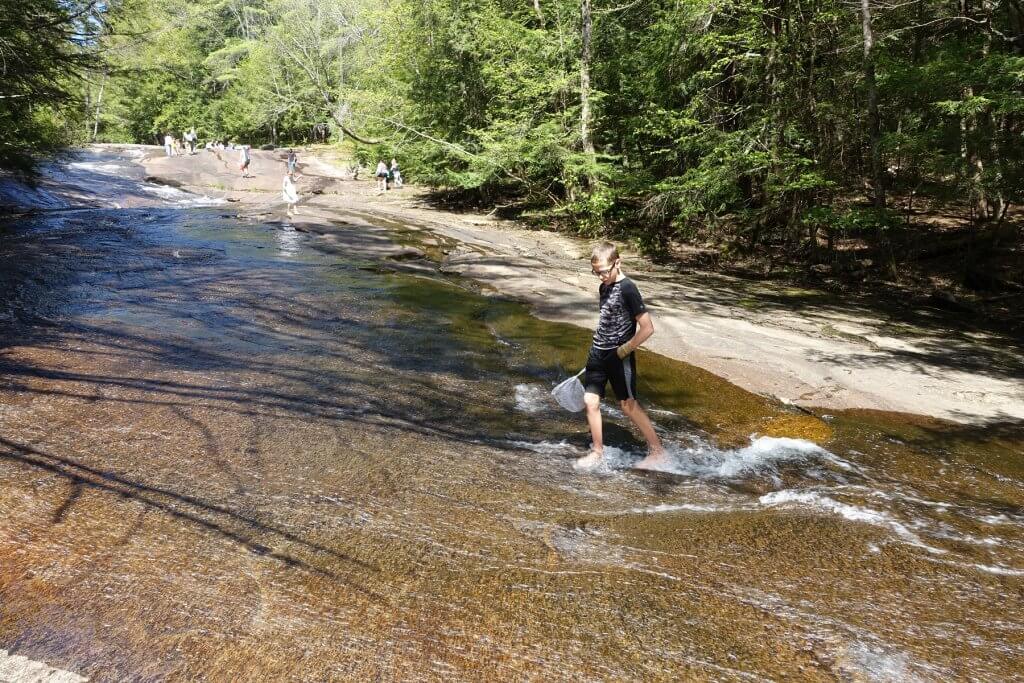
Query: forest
(873, 140)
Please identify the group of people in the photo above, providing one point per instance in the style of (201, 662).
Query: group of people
(174, 146)
(387, 177)
(189, 142)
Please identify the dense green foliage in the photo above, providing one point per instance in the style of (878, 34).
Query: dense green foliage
(255, 70)
(46, 47)
(746, 120)
(793, 124)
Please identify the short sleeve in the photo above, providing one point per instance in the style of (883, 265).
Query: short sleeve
(633, 301)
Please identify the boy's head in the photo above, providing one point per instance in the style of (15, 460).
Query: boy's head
(604, 261)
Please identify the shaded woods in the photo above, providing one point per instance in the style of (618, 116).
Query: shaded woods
(854, 138)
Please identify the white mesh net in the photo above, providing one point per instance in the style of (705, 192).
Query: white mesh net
(569, 394)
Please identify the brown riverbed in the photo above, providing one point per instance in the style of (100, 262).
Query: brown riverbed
(233, 451)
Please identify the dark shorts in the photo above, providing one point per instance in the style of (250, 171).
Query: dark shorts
(604, 366)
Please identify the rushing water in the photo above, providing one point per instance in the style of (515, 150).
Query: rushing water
(234, 451)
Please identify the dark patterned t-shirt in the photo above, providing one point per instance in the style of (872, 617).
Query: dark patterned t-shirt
(621, 303)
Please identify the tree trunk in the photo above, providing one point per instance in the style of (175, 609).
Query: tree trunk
(586, 57)
(99, 101)
(874, 121)
(988, 204)
(338, 119)
(87, 106)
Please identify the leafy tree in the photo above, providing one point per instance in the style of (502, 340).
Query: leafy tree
(46, 46)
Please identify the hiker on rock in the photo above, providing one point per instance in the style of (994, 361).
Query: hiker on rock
(624, 325)
(244, 159)
(396, 174)
(293, 160)
(382, 176)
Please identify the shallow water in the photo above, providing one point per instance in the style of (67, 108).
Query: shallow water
(233, 451)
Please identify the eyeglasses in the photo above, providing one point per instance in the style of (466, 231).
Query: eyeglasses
(602, 272)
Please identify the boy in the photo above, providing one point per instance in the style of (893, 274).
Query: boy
(623, 326)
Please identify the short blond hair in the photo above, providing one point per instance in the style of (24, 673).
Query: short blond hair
(606, 252)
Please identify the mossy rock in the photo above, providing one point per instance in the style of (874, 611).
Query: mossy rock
(798, 427)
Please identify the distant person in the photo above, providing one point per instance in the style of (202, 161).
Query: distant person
(396, 174)
(293, 160)
(624, 324)
(192, 139)
(289, 193)
(382, 176)
(169, 145)
(244, 159)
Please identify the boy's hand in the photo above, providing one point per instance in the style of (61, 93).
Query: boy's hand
(624, 350)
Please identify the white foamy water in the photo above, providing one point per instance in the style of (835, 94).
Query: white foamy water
(682, 507)
(532, 398)
(997, 569)
(704, 461)
(98, 167)
(854, 513)
(1000, 519)
(614, 459)
(547, 447)
(761, 458)
(180, 197)
(908, 518)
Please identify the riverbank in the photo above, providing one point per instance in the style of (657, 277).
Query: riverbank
(803, 347)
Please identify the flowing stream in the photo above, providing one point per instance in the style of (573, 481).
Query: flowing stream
(234, 451)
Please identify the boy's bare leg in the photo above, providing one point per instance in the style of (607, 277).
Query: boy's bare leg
(656, 456)
(596, 454)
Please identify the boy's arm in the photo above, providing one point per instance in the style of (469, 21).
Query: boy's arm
(644, 330)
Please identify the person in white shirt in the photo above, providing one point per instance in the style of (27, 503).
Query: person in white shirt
(169, 145)
(289, 193)
(244, 160)
(396, 174)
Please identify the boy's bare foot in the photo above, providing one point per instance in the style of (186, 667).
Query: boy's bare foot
(654, 461)
(591, 459)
